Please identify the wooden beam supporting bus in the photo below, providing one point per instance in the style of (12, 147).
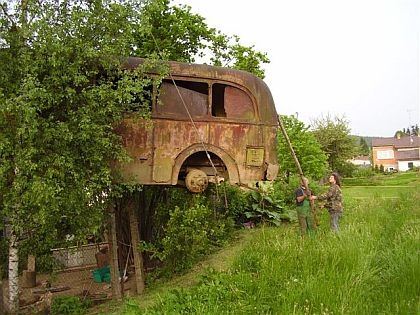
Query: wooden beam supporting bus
(135, 240)
(113, 250)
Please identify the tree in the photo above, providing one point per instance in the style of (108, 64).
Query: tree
(59, 100)
(228, 52)
(334, 136)
(175, 33)
(415, 130)
(307, 148)
(364, 147)
(62, 89)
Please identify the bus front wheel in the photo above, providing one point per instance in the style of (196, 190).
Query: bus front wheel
(196, 181)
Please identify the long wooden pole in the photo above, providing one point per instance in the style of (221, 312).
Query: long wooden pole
(292, 152)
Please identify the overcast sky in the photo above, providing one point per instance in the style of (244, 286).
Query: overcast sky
(357, 58)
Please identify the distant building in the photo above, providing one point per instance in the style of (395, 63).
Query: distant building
(396, 153)
(361, 161)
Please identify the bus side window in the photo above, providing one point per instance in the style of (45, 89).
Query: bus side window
(231, 102)
(172, 98)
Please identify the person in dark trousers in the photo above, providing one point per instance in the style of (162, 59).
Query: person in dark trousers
(303, 208)
(334, 201)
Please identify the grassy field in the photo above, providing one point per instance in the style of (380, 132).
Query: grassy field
(385, 186)
(371, 267)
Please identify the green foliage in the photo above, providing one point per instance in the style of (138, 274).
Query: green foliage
(346, 168)
(175, 33)
(228, 52)
(69, 305)
(172, 31)
(229, 200)
(395, 179)
(413, 131)
(307, 149)
(57, 112)
(265, 207)
(364, 147)
(359, 272)
(333, 134)
(191, 232)
(364, 172)
(284, 189)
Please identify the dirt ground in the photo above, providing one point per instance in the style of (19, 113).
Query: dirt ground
(75, 282)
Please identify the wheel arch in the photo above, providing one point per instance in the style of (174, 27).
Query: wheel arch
(229, 162)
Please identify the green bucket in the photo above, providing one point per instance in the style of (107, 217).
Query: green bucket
(102, 275)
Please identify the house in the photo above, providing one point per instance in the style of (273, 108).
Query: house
(361, 161)
(396, 153)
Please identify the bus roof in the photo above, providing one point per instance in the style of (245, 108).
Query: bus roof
(255, 85)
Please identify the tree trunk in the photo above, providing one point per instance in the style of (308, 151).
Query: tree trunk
(13, 274)
(113, 250)
(138, 258)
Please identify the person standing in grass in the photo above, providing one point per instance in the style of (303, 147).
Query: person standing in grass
(303, 208)
(334, 201)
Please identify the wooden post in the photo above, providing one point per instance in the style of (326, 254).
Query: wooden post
(135, 240)
(31, 263)
(113, 250)
(29, 275)
(292, 151)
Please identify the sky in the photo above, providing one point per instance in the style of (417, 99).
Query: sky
(353, 58)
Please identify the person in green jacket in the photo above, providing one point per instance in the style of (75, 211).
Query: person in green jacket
(306, 222)
(334, 201)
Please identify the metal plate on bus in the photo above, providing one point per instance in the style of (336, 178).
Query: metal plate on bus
(254, 156)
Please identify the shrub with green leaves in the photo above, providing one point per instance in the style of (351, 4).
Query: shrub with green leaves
(371, 267)
(191, 232)
(69, 305)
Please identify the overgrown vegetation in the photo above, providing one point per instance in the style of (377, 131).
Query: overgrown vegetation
(312, 158)
(188, 227)
(63, 87)
(69, 305)
(371, 267)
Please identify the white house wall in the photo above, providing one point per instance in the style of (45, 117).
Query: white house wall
(403, 165)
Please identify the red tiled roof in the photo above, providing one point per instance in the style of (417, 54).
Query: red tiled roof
(403, 142)
(408, 155)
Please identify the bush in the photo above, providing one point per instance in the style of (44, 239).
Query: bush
(346, 169)
(266, 207)
(285, 189)
(364, 172)
(229, 200)
(191, 232)
(69, 305)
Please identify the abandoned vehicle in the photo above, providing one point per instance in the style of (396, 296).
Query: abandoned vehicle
(208, 124)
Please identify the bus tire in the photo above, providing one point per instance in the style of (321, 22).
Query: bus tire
(196, 181)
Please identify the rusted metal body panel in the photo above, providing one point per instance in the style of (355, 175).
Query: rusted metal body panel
(234, 122)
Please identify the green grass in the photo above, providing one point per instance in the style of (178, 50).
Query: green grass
(382, 186)
(371, 267)
(395, 179)
(378, 191)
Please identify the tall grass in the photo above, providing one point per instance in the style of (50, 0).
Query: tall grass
(371, 267)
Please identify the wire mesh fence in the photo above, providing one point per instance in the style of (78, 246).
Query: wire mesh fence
(81, 271)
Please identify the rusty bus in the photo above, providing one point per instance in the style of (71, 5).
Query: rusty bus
(208, 124)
